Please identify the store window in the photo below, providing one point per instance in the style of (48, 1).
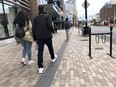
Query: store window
(41, 2)
(9, 12)
(2, 23)
(6, 20)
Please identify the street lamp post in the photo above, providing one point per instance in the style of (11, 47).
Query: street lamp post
(86, 16)
(85, 30)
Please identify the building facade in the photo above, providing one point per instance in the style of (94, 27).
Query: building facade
(71, 11)
(55, 8)
(107, 11)
(97, 17)
(10, 8)
(8, 11)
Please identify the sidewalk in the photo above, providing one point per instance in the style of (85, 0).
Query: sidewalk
(6, 42)
(73, 67)
(78, 70)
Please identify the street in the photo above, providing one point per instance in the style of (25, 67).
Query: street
(104, 29)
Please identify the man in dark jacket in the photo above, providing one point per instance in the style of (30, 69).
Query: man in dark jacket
(67, 26)
(42, 30)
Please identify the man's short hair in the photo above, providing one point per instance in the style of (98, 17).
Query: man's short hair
(41, 8)
(66, 19)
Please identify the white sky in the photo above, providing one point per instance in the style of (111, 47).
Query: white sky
(95, 6)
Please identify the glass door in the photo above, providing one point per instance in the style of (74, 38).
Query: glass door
(2, 22)
(10, 14)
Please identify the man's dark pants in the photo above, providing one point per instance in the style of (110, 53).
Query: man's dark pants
(41, 43)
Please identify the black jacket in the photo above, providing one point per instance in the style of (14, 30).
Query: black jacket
(42, 26)
(67, 24)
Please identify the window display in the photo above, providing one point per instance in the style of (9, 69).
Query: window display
(2, 31)
(9, 11)
(6, 20)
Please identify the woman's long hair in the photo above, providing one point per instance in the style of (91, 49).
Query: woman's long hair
(21, 18)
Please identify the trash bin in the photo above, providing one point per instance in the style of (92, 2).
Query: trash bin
(85, 31)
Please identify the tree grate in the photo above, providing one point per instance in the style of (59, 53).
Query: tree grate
(84, 40)
(99, 48)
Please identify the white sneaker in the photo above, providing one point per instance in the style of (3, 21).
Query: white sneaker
(30, 62)
(23, 61)
(53, 60)
(41, 70)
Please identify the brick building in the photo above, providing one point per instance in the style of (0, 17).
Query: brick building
(108, 11)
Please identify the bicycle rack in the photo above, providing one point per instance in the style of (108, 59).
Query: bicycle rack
(103, 40)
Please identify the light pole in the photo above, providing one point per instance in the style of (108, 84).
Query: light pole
(86, 27)
(86, 15)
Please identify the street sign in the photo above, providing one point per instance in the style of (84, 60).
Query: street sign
(88, 4)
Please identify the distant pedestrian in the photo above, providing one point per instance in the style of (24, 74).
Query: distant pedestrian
(67, 26)
(78, 25)
(22, 21)
(42, 29)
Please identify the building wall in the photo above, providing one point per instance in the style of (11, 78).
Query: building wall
(97, 17)
(71, 11)
(106, 13)
(8, 11)
(34, 8)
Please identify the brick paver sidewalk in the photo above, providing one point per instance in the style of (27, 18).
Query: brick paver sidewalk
(13, 73)
(74, 68)
(78, 70)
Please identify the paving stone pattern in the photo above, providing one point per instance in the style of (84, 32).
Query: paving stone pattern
(76, 69)
(13, 73)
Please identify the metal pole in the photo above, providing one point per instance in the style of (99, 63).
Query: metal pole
(85, 16)
(90, 43)
(111, 40)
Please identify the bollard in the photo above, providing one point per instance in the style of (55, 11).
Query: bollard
(111, 28)
(90, 43)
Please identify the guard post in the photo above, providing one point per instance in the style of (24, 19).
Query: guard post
(111, 28)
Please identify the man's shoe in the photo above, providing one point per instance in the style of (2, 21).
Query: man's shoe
(41, 70)
(53, 60)
(23, 61)
(30, 62)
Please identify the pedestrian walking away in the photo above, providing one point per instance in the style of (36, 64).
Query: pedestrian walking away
(42, 30)
(22, 22)
(67, 26)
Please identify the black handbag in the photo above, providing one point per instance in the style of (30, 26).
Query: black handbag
(20, 32)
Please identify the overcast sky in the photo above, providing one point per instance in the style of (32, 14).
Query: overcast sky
(95, 6)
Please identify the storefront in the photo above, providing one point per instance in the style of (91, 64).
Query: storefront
(7, 15)
(8, 11)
